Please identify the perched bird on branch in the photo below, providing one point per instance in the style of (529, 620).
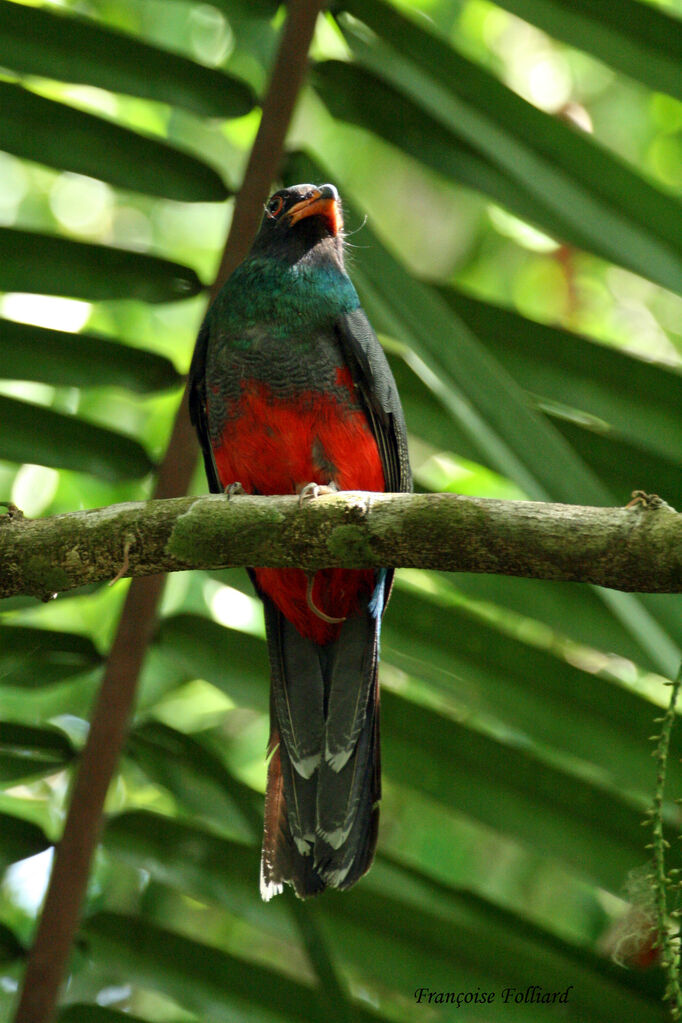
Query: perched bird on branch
(290, 392)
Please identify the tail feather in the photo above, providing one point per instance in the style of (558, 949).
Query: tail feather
(281, 861)
(343, 795)
(347, 705)
(299, 709)
(342, 863)
(275, 858)
(342, 868)
(321, 822)
(299, 804)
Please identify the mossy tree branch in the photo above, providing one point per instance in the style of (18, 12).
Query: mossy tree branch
(637, 548)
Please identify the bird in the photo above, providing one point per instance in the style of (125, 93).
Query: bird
(291, 393)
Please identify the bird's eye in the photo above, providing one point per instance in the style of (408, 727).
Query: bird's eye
(274, 206)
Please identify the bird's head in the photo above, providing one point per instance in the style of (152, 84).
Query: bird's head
(299, 220)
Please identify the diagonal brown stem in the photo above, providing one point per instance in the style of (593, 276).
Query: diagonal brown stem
(48, 959)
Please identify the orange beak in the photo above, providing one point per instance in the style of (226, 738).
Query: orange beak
(323, 202)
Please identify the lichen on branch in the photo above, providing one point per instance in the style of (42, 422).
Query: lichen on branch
(637, 548)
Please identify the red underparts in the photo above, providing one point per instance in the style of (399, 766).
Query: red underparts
(276, 446)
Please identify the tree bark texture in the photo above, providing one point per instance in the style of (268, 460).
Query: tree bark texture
(637, 548)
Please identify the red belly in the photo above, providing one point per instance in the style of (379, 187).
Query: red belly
(275, 446)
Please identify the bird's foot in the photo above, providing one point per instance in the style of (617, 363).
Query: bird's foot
(234, 490)
(640, 499)
(308, 493)
(312, 490)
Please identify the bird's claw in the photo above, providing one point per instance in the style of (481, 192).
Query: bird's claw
(312, 490)
(234, 490)
(640, 499)
(308, 493)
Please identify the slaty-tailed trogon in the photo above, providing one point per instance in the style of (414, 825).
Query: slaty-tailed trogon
(290, 386)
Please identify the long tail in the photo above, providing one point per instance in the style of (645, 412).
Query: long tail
(324, 778)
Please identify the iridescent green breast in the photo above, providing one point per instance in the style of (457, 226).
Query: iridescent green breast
(269, 299)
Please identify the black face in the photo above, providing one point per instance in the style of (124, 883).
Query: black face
(298, 218)
(278, 204)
